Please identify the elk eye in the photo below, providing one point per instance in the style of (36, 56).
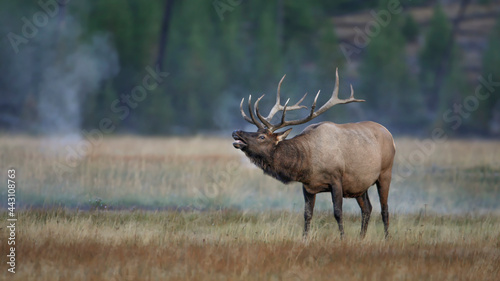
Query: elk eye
(261, 137)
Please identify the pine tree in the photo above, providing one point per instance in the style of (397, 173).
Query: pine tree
(484, 116)
(410, 28)
(437, 40)
(386, 82)
(199, 76)
(440, 58)
(329, 56)
(329, 59)
(268, 54)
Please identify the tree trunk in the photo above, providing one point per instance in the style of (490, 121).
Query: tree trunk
(164, 31)
(444, 66)
(280, 24)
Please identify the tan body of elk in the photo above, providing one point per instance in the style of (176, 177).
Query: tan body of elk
(343, 159)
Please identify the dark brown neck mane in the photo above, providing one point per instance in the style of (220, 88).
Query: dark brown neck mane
(288, 162)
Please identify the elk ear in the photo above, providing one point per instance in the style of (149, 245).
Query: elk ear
(281, 136)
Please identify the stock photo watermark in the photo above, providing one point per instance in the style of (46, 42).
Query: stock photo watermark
(363, 37)
(49, 9)
(122, 108)
(224, 6)
(11, 219)
(453, 116)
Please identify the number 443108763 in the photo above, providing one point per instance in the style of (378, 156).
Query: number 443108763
(11, 185)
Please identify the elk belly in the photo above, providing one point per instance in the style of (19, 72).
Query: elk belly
(356, 185)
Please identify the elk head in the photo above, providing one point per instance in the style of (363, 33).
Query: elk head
(259, 144)
(264, 141)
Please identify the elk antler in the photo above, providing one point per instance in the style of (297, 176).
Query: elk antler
(277, 107)
(252, 120)
(334, 100)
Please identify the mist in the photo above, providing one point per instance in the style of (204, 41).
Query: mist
(70, 77)
(53, 73)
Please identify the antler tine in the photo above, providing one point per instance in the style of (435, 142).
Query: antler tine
(278, 91)
(336, 89)
(256, 106)
(296, 122)
(257, 123)
(313, 106)
(301, 100)
(243, 112)
(284, 111)
(334, 99)
(252, 119)
(278, 107)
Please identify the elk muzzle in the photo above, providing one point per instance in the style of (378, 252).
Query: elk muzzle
(239, 142)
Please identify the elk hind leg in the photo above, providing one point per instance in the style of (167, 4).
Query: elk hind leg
(366, 210)
(383, 184)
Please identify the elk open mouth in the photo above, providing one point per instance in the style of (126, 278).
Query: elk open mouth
(238, 143)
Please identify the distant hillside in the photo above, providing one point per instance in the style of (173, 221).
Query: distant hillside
(471, 38)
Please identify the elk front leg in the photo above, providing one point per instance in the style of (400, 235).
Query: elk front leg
(309, 199)
(366, 210)
(337, 207)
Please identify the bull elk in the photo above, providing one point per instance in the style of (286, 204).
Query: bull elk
(343, 159)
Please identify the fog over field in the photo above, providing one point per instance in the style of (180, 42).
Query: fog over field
(454, 177)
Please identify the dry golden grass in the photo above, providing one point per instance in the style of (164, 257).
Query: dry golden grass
(234, 245)
(456, 154)
(221, 219)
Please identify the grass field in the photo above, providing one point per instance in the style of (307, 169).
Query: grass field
(237, 245)
(193, 208)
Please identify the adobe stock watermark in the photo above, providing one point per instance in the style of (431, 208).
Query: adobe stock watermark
(453, 116)
(364, 36)
(74, 154)
(217, 184)
(224, 6)
(208, 193)
(40, 19)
